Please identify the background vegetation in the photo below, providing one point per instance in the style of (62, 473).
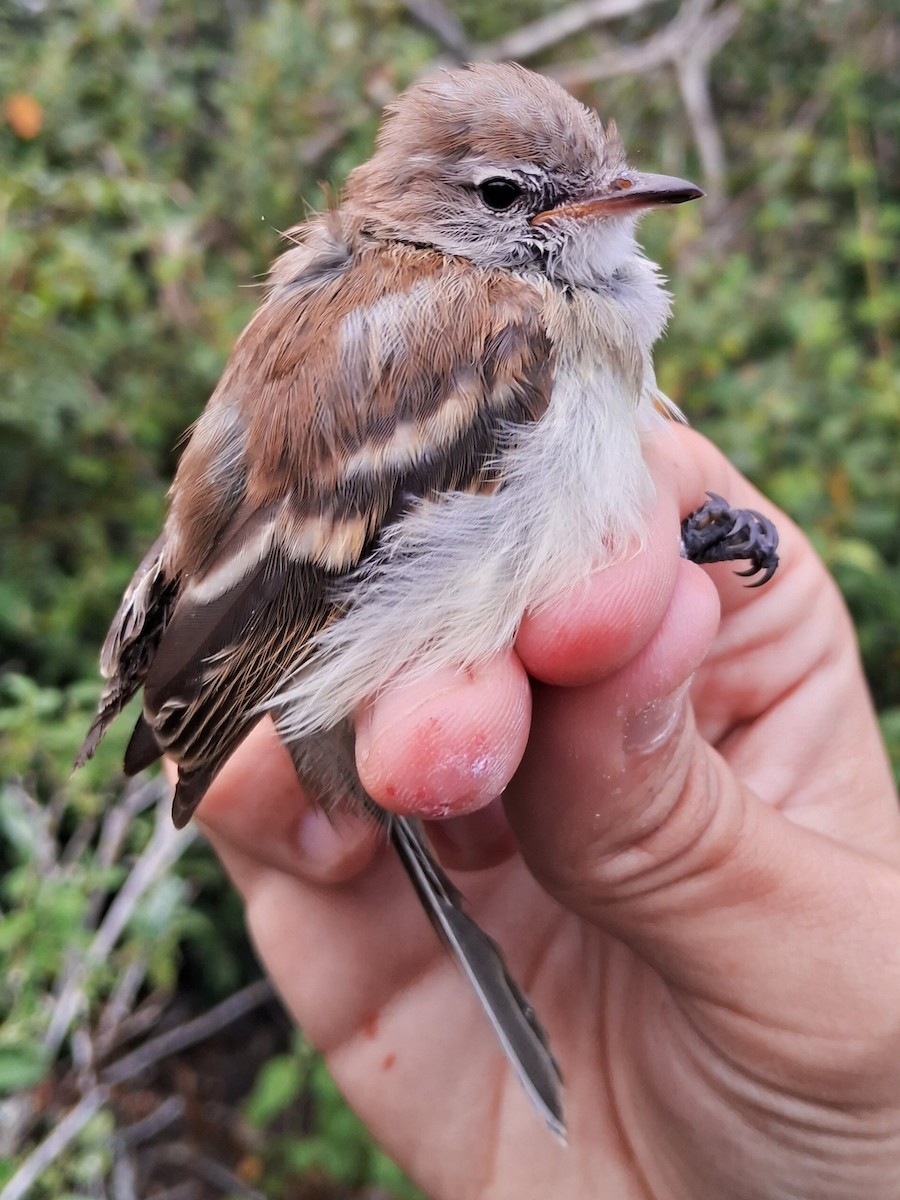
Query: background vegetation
(150, 150)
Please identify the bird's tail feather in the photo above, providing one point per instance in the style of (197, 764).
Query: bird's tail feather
(512, 1017)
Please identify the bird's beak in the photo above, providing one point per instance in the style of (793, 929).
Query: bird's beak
(628, 193)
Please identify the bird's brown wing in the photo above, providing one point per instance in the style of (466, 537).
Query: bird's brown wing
(356, 389)
(132, 642)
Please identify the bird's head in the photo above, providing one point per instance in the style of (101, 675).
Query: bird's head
(502, 166)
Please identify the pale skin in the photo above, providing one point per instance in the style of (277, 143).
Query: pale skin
(694, 872)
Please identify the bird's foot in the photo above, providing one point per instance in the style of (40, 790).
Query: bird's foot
(719, 533)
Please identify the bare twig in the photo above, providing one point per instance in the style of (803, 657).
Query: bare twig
(31, 822)
(19, 1117)
(164, 848)
(692, 71)
(82, 837)
(116, 823)
(140, 794)
(16, 1114)
(148, 1127)
(331, 134)
(445, 25)
(137, 1022)
(211, 1172)
(657, 51)
(119, 1005)
(667, 45)
(69, 983)
(53, 1145)
(126, 1068)
(191, 1032)
(181, 1191)
(531, 39)
(124, 1176)
(83, 1059)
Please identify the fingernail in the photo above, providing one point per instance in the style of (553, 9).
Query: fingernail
(653, 725)
(320, 839)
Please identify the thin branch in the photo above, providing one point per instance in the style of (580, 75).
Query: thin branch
(657, 51)
(42, 847)
(211, 1172)
(140, 794)
(119, 1005)
(154, 1123)
(82, 837)
(445, 25)
(16, 1117)
(124, 1176)
(531, 39)
(331, 134)
(117, 821)
(83, 1059)
(164, 849)
(53, 1145)
(692, 72)
(191, 1032)
(666, 45)
(132, 1064)
(136, 1023)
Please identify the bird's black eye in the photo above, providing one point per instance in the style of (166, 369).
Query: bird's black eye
(499, 193)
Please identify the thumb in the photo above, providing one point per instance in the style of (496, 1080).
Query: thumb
(611, 796)
(629, 818)
(613, 767)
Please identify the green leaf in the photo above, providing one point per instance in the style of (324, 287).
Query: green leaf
(277, 1086)
(21, 1067)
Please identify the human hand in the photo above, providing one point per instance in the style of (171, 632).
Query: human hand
(695, 874)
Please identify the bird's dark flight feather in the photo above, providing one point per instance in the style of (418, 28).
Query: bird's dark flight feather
(507, 1007)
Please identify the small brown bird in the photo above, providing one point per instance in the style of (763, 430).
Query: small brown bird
(432, 423)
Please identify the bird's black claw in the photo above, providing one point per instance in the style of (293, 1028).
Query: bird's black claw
(718, 533)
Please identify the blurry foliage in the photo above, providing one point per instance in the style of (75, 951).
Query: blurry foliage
(149, 152)
(338, 1149)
